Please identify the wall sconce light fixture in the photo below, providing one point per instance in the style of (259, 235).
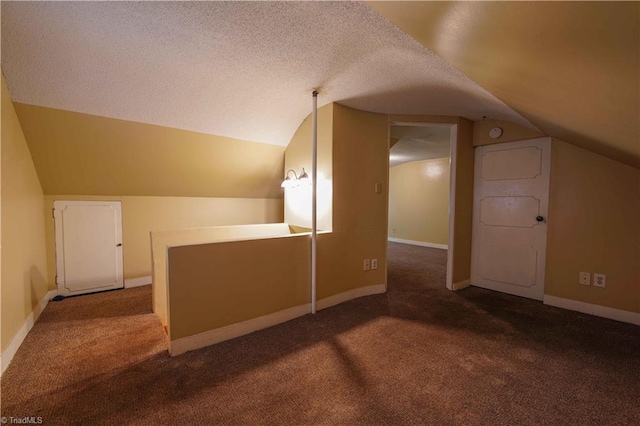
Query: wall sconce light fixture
(288, 182)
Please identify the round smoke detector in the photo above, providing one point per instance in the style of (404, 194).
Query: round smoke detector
(495, 133)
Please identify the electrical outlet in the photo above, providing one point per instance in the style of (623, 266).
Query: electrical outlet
(599, 280)
(366, 265)
(374, 263)
(585, 278)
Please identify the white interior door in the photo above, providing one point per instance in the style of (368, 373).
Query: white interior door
(511, 192)
(88, 246)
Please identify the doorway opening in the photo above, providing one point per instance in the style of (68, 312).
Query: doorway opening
(421, 186)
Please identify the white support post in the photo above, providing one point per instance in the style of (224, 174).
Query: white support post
(314, 183)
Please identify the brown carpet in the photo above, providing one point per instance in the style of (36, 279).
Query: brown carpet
(416, 355)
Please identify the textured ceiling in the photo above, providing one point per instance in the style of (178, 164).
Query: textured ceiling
(236, 69)
(417, 143)
(571, 68)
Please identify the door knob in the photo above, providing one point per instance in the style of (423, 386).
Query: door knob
(120, 244)
(540, 218)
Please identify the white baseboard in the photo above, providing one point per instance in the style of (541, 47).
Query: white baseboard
(461, 284)
(418, 243)
(10, 351)
(211, 337)
(597, 310)
(137, 282)
(208, 338)
(336, 299)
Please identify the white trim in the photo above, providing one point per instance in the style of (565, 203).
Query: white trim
(137, 282)
(10, 351)
(420, 124)
(453, 161)
(336, 299)
(461, 284)
(418, 243)
(211, 337)
(591, 309)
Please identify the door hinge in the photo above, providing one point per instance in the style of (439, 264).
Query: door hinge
(53, 212)
(56, 279)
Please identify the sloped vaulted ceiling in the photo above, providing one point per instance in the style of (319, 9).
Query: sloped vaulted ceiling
(245, 70)
(571, 68)
(238, 69)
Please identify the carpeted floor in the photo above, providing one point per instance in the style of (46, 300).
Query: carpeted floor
(416, 355)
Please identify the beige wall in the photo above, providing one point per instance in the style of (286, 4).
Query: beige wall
(24, 266)
(419, 201)
(161, 240)
(141, 215)
(519, 52)
(298, 200)
(360, 160)
(594, 226)
(229, 292)
(85, 154)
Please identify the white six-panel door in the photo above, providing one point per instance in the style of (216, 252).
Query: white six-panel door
(511, 191)
(88, 246)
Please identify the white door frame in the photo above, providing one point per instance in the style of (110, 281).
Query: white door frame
(452, 187)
